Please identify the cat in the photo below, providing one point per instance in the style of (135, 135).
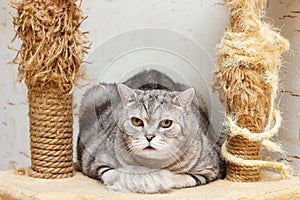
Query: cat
(147, 135)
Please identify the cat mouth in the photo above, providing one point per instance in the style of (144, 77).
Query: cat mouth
(149, 148)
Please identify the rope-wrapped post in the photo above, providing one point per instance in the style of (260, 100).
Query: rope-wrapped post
(49, 60)
(249, 57)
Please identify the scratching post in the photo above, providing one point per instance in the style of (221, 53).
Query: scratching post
(51, 121)
(49, 59)
(249, 57)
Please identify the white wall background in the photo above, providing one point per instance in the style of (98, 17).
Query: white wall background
(199, 20)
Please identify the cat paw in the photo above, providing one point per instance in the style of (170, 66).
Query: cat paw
(187, 180)
(112, 180)
(110, 177)
(152, 182)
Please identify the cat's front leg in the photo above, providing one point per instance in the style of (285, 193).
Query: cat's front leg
(114, 180)
(139, 180)
(195, 178)
(188, 180)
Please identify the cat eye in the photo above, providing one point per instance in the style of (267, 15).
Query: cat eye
(166, 123)
(136, 121)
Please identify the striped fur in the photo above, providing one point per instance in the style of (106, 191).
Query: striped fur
(113, 150)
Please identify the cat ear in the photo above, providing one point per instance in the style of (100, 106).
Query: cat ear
(127, 94)
(185, 98)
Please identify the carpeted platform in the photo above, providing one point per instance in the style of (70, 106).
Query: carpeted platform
(15, 185)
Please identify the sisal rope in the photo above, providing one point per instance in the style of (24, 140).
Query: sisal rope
(49, 60)
(51, 131)
(249, 57)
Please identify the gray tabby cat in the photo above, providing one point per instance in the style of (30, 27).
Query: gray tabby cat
(147, 135)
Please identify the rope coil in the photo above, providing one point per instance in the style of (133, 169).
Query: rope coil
(51, 139)
(249, 57)
(49, 60)
(235, 130)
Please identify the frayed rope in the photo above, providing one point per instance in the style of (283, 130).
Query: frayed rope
(234, 130)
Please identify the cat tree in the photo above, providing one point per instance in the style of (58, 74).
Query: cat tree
(49, 59)
(249, 57)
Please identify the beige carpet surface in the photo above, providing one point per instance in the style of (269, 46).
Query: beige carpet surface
(15, 185)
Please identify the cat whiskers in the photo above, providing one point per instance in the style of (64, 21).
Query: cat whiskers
(178, 158)
(138, 143)
(160, 144)
(124, 150)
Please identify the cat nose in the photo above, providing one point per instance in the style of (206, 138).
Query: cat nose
(149, 137)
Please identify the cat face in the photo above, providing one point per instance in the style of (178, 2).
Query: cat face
(156, 123)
